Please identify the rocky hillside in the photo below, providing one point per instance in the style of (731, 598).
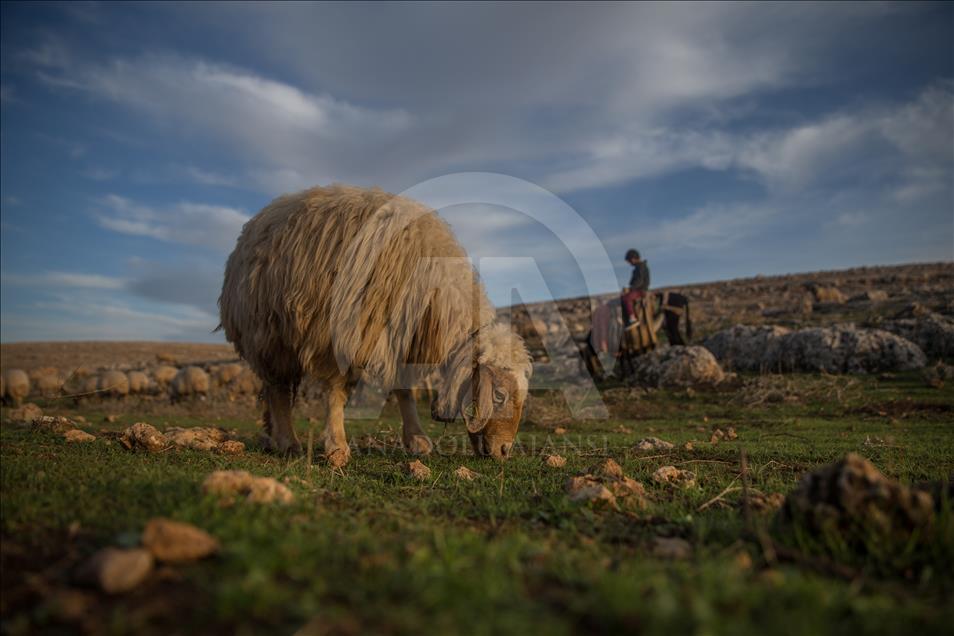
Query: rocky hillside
(864, 295)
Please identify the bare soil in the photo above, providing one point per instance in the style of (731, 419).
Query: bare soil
(95, 354)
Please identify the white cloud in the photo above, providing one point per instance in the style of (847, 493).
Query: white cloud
(484, 229)
(100, 174)
(281, 129)
(105, 319)
(629, 155)
(63, 279)
(208, 177)
(712, 227)
(212, 226)
(638, 100)
(51, 53)
(850, 219)
(910, 143)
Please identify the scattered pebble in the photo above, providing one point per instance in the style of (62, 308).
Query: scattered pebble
(743, 561)
(176, 542)
(142, 436)
(559, 430)
(231, 447)
(717, 436)
(766, 503)
(197, 438)
(587, 489)
(674, 476)
(671, 548)
(111, 419)
(626, 487)
(116, 570)
(204, 439)
(609, 469)
(607, 485)
(688, 446)
(465, 473)
(730, 433)
(417, 470)
(229, 484)
(76, 435)
(555, 461)
(53, 424)
(653, 443)
(25, 414)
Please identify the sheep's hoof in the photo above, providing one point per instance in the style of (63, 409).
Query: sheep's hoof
(338, 457)
(419, 445)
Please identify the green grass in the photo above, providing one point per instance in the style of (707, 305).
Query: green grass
(370, 550)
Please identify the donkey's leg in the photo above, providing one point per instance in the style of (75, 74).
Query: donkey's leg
(337, 451)
(415, 440)
(279, 401)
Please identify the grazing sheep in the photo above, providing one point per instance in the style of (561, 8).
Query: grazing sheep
(39, 372)
(138, 382)
(85, 388)
(340, 281)
(16, 386)
(245, 383)
(164, 375)
(190, 382)
(114, 383)
(89, 387)
(225, 373)
(46, 381)
(82, 371)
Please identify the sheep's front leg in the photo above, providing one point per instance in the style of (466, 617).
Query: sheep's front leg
(415, 440)
(279, 400)
(337, 451)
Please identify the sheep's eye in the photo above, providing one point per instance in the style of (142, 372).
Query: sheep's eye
(499, 397)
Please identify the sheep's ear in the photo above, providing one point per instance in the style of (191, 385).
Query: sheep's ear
(478, 408)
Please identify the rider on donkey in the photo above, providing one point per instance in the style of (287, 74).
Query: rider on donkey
(638, 285)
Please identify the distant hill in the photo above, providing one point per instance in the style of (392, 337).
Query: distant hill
(861, 294)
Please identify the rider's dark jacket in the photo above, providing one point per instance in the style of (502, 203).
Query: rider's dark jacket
(639, 281)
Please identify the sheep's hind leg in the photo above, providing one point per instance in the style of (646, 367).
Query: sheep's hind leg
(415, 439)
(337, 451)
(279, 400)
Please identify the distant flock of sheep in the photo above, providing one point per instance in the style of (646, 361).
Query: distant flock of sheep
(232, 379)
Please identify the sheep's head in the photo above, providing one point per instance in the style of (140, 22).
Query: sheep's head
(486, 385)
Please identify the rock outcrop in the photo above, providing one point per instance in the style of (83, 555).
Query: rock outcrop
(837, 349)
(678, 367)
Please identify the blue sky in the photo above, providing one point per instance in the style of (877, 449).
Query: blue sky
(722, 140)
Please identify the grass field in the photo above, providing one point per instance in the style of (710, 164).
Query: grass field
(371, 550)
